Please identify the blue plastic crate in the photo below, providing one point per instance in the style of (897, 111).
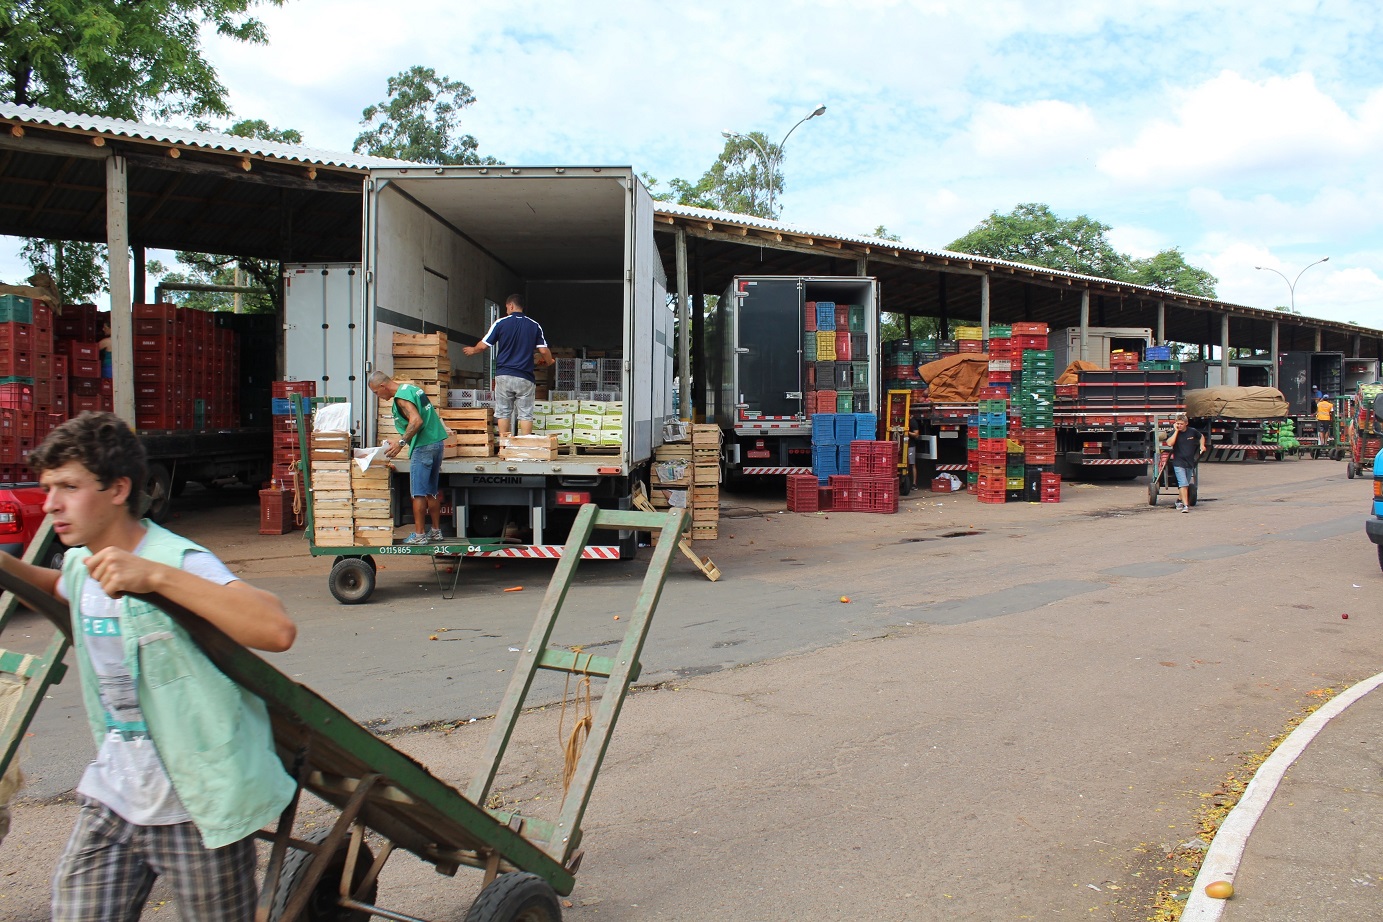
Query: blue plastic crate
(1158, 353)
(866, 425)
(845, 427)
(826, 315)
(823, 428)
(280, 406)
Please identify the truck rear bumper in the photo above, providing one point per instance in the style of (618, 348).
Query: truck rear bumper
(1374, 529)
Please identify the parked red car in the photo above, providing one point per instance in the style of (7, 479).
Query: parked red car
(21, 513)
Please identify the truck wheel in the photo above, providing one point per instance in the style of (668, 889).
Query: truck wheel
(323, 906)
(352, 580)
(1349, 468)
(516, 897)
(158, 486)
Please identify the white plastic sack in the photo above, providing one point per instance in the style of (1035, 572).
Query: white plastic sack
(332, 417)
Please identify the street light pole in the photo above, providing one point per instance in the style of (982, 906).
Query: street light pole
(1292, 284)
(768, 160)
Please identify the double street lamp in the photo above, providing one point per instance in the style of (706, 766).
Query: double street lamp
(1292, 284)
(769, 160)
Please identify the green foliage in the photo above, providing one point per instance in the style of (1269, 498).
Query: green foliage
(900, 326)
(257, 128)
(420, 121)
(882, 233)
(1170, 271)
(78, 268)
(1033, 234)
(119, 58)
(737, 182)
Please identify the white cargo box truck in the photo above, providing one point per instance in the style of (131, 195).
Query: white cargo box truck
(1100, 341)
(444, 247)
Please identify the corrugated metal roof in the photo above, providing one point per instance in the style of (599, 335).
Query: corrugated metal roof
(188, 137)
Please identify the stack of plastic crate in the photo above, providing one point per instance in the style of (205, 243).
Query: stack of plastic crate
(1051, 488)
(1158, 358)
(1036, 402)
(972, 446)
(804, 493)
(1123, 360)
(969, 339)
(287, 446)
(826, 448)
(991, 450)
(873, 482)
(1000, 356)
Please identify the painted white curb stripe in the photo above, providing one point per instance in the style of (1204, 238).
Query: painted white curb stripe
(1222, 858)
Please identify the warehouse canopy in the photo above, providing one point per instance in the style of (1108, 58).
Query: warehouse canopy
(186, 190)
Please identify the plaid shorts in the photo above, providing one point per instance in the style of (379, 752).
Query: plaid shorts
(110, 865)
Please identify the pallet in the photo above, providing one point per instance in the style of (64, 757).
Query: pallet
(703, 564)
(593, 450)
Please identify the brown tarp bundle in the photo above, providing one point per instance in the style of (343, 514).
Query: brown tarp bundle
(956, 378)
(1235, 403)
(1072, 373)
(42, 289)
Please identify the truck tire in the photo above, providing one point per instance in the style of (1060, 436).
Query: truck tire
(516, 897)
(1349, 468)
(352, 580)
(322, 907)
(158, 486)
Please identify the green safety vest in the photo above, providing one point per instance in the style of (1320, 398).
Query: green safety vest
(433, 430)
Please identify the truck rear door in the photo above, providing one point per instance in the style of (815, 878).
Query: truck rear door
(768, 337)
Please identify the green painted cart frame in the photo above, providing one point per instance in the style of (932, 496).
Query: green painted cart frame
(334, 874)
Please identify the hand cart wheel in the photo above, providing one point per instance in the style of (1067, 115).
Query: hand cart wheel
(905, 485)
(516, 897)
(323, 905)
(352, 580)
(1153, 488)
(369, 560)
(1349, 468)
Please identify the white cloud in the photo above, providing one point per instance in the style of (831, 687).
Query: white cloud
(1037, 135)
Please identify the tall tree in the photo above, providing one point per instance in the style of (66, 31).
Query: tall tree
(78, 268)
(1033, 234)
(420, 121)
(737, 182)
(257, 128)
(117, 57)
(1169, 270)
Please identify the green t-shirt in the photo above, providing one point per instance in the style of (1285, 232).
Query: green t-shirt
(433, 430)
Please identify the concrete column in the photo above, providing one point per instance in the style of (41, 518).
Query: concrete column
(121, 319)
(1224, 347)
(1085, 325)
(1161, 323)
(984, 306)
(684, 408)
(1275, 353)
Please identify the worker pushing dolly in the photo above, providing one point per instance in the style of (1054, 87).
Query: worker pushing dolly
(1175, 462)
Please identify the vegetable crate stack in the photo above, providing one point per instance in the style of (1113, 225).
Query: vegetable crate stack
(29, 394)
(705, 482)
(333, 517)
(184, 363)
(285, 425)
(472, 432)
(372, 510)
(672, 476)
(835, 349)
(539, 446)
(1035, 399)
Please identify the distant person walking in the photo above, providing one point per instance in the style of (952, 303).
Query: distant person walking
(515, 338)
(1325, 410)
(422, 430)
(1187, 445)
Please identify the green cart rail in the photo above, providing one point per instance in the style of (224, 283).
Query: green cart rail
(334, 874)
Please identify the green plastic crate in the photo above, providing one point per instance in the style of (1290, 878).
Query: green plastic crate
(17, 379)
(856, 318)
(845, 402)
(859, 371)
(16, 309)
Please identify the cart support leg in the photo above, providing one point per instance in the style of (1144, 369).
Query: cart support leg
(448, 592)
(328, 848)
(280, 847)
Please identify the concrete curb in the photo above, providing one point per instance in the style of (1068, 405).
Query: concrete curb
(1222, 858)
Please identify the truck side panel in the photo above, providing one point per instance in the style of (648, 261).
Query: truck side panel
(324, 330)
(646, 359)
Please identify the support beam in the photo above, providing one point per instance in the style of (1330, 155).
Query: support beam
(984, 307)
(943, 330)
(1355, 345)
(121, 318)
(1317, 346)
(140, 260)
(862, 266)
(684, 409)
(1274, 353)
(1162, 323)
(698, 357)
(1224, 347)
(1085, 325)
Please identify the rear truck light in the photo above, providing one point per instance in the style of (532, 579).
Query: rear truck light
(11, 519)
(1378, 488)
(573, 497)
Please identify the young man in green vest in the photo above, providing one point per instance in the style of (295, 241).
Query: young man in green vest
(422, 430)
(186, 770)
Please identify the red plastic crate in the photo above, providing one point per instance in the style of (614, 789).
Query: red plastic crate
(825, 402)
(84, 404)
(843, 317)
(973, 346)
(16, 364)
(992, 498)
(871, 457)
(1035, 343)
(17, 396)
(842, 346)
(85, 368)
(16, 336)
(825, 499)
(803, 494)
(1026, 328)
(78, 349)
(287, 388)
(874, 494)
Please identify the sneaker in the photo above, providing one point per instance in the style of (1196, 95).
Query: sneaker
(1185, 508)
(415, 538)
(1180, 505)
(434, 535)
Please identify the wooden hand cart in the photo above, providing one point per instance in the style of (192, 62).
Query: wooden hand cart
(334, 874)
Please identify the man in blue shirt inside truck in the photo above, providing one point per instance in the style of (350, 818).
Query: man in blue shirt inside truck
(515, 338)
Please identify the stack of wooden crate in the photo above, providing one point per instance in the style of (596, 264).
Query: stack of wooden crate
(333, 522)
(371, 505)
(472, 432)
(670, 479)
(705, 505)
(421, 359)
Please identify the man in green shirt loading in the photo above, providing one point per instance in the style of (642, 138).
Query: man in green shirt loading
(422, 430)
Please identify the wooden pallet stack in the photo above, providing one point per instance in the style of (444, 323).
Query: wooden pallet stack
(333, 520)
(472, 432)
(371, 505)
(536, 447)
(671, 476)
(421, 359)
(705, 505)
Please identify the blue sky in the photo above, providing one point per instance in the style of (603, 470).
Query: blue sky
(1247, 134)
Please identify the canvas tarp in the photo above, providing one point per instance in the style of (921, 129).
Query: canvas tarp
(1235, 403)
(1072, 373)
(956, 378)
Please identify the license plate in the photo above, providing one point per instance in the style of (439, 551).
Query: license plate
(759, 454)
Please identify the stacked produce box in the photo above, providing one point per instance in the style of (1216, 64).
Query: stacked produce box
(672, 476)
(1035, 391)
(372, 513)
(421, 359)
(536, 447)
(969, 339)
(184, 368)
(1000, 356)
(333, 517)
(835, 351)
(28, 385)
(987, 450)
(278, 497)
(585, 425)
(705, 482)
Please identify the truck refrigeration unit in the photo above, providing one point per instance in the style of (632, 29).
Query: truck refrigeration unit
(444, 246)
(770, 368)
